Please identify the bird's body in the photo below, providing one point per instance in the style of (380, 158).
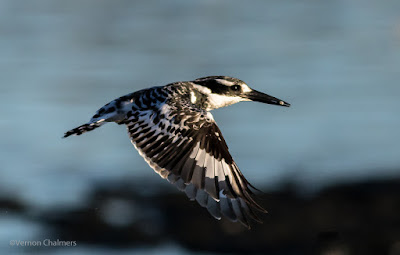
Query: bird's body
(172, 128)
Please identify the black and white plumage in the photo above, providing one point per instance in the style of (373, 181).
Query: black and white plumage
(172, 128)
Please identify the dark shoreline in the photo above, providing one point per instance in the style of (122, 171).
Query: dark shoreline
(358, 218)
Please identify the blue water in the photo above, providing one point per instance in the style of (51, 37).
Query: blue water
(336, 62)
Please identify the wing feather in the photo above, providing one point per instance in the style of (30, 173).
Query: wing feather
(202, 197)
(213, 208)
(185, 146)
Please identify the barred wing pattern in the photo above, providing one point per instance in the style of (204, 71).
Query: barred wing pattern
(185, 146)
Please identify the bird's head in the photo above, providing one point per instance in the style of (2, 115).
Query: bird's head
(220, 91)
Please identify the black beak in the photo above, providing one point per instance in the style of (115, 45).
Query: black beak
(255, 95)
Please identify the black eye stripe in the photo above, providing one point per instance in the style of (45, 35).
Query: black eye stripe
(214, 86)
(218, 87)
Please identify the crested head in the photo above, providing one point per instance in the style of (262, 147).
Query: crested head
(220, 91)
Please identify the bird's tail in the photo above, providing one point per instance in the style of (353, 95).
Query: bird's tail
(84, 128)
(114, 111)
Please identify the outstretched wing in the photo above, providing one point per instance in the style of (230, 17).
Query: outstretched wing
(186, 146)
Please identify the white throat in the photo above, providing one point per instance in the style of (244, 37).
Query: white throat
(217, 101)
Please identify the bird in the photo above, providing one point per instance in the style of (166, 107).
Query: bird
(173, 129)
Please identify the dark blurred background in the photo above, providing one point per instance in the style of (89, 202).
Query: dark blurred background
(329, 165)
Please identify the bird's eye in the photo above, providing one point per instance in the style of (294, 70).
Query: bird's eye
(235, 87)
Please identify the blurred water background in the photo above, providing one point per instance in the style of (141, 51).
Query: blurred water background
(336, 62)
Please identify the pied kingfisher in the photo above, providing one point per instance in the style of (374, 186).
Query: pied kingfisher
(172, 128)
